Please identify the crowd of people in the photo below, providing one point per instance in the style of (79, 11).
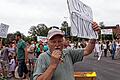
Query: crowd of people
(8, 53)
(107, 48)
(27, 57)
(104, 48)
(11, 56)
(7, 59)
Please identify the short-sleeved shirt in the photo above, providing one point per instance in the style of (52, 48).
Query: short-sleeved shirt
(20, 49)
(12, 51)
(65, 70)
(45, 48)
(5, 54)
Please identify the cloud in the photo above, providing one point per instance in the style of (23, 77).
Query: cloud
(21, 14)
(105, 10)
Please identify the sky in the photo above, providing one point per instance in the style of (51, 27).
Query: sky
(20, 15)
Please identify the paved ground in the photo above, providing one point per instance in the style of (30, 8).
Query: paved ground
(106, 68)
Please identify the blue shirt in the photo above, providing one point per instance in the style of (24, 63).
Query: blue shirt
(65, 70)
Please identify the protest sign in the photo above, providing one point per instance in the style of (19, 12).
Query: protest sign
(3, 30)
(81, 20)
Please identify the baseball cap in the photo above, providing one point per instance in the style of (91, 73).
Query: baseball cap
(53, 32)
(18, 33)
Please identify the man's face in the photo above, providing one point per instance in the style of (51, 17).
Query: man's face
(56, 42)
(17, 38)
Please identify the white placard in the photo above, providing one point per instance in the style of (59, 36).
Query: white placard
(42, 38)
(3, 30)
(106, 31)
(81, 20)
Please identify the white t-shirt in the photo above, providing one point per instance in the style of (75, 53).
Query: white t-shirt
(117, 45)
(97, 47)
(12, 65)
(104, 46)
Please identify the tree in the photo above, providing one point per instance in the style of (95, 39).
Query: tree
(64, 24)
(39, 30)
(101, 36)
(65, 28)
(28, 39)
(101, 24)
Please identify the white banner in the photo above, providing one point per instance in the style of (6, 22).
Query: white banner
(106, 31)
(42, 38)
(81, 20)
(3, 30)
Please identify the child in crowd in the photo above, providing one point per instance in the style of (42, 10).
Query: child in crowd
(12, 65)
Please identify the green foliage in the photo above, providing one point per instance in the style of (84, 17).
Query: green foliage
(28, 39)
(64, 24)
(39, 30)
(101, 25)
(65, 28)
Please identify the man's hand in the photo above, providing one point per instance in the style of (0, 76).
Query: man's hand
(54, 61)
(95, 27)
(55, 58)
(91, 44)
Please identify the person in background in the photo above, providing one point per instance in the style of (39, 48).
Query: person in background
(67, 43)
(22, 56)
(113, 49)
(57, 63)
(12, 49)
(117, 49)
(30, 50)
(41, 48)
(107, 44)
(45, 48)
(5, 60)
(37, 51)
(105, 48)
(12, 65)
(110, 48)
(1, 74)
(99, 50)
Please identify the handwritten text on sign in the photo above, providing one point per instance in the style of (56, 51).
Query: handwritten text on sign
(3, 30)
(81, 20)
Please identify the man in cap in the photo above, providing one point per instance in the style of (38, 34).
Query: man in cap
(21, 56)
(57, 63)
